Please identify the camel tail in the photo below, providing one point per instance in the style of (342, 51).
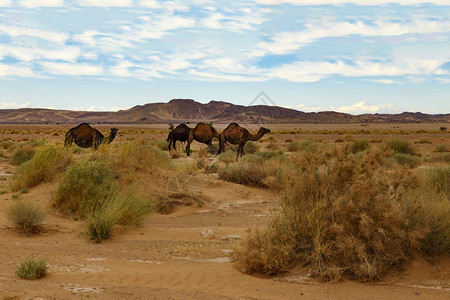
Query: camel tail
(69, 138)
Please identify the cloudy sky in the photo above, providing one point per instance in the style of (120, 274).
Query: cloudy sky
(354, 56)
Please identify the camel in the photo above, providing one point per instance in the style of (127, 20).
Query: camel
(237, 135)
(202, 133)
(85, 136)
(179, 133)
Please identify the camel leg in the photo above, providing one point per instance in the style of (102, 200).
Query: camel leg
(170, 143)
(175, 145)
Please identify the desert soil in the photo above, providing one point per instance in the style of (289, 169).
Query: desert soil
(182, 255)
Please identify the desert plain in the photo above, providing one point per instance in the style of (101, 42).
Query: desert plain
(186, 252)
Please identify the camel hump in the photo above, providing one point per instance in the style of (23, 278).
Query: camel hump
(231, 125)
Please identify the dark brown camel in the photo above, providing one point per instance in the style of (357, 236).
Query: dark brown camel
(179, 133)
(85, 136)
(237, 135)
(202, 133)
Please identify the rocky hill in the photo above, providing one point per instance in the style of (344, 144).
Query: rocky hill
(187, 110)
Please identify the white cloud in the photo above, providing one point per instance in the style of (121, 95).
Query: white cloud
(303, 107)
(314, 71)
(5, 3)
(363, 107)
(41, 3)
(356, 2)
(286, 42)
(13, 105)
(117, 108)
(78, 69)
(15, 31)
(384, 81)
(68, 53)
(149, 3)
(8, 70)
(106, 3)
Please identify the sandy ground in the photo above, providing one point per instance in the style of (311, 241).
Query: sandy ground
(183, 255)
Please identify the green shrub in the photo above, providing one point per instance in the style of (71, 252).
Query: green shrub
(100, 225)
(251, 147)
(85, 188)
(21, 155)
(400, 146)
(128, 209)
(406, 160)
(47, 161)
(293, 147)
(270, 154)
(32, 269)
(26, 216)
(307, 145)
(359, 145)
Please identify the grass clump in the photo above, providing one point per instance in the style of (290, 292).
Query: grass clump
(400, 146)
(244, 172)
(359, 145)
(47, 161)
(438, 179)
(251, 147)
(406, 160)
(88, 191)
(32, 269)
(21, 155)
(26, 216)
(227, 157)
(442, 148)
(85, 187)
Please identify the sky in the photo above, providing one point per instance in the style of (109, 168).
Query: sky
(352, 56)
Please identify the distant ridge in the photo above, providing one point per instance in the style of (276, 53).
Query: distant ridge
(188, 110)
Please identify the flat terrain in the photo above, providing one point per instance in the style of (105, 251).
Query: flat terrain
(186, 254)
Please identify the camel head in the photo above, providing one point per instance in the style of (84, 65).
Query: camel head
(264, 130)
(112, 135)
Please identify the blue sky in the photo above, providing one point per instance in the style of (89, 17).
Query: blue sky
(354, 56)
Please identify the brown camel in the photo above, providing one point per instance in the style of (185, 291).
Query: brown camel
(202, 133)
(237, 135)
(85, 136)
(179, 133)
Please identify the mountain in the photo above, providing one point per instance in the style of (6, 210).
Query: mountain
(187, 110)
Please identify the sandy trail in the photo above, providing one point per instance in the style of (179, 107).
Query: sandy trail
(174, 257)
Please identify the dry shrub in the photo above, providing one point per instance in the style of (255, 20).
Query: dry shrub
(440, 157)
(227, 157)
(442, 148)
(340, 215)
(438, 179)
(251, 147)
(359, 145)
(47, 161)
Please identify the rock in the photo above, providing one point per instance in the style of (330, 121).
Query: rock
(232, 237)
(208, 234)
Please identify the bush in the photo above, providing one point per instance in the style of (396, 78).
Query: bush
(128, 209)
(438, 179)
(227, 157)
(423, 141)
(359, 145)
(26, 216)
(400, 146)
(84, 189)
(406, 160)
(307, 145)
(442, 148)
(31, 269)
(100, 225)
(427, 212)
(138, 157)
(21, 155)
(440, 157)
(251, 147)
(339, 216)
(48, 161)
(243, 172)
